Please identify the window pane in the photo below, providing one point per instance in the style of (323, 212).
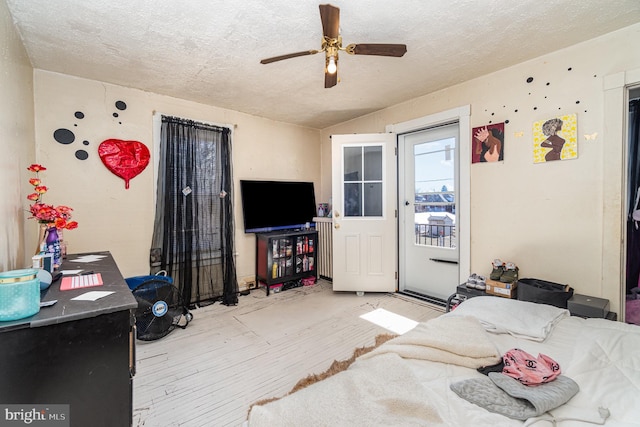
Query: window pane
(435, 215)
(373, 199)
(373, 164)
(353, 199)
(352, 163)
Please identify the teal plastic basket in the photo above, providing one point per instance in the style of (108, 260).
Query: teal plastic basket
(19, 294)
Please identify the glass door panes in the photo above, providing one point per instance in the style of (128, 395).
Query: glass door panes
(363, 194)
(435, 197)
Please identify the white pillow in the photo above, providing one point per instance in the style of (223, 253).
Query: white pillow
(521, 319)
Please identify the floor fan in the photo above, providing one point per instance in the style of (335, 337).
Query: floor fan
(160, 309)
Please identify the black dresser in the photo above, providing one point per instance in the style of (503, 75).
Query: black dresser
(75, 353)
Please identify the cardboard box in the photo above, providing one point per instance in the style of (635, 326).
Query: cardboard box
(505, 290)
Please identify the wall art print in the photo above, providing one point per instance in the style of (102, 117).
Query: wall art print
(488, 143)
(555, 139)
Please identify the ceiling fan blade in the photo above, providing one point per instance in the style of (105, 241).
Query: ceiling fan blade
(330, 16)
(330, 80)
(287, 56)
(379, 49)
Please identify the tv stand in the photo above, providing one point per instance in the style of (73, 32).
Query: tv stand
(286, 256)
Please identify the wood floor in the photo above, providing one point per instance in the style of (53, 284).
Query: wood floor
(227, 358)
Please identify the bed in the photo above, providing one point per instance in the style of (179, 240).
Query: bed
(410, 380)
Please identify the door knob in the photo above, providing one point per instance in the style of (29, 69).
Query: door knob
(336, 226)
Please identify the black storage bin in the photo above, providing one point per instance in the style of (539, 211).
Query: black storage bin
(544, 292)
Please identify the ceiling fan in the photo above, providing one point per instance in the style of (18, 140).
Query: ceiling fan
(332, 44)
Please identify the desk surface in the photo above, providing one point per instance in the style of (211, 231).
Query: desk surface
(66, 310)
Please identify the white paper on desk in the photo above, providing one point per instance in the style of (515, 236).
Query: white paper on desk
(71, 272)
(92, 296)
(88, 258)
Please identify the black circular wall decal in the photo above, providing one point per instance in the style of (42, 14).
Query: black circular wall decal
(75, 125)
(530, 79)
(535, 108)
(115, 114)
(506, 121)
(82, 155)
(493, 114)
(85, 142)
(577, 102)
(64, 136)
(569, 69)
(548, 83)
(79, 115)
(515, 111)
(121, 105)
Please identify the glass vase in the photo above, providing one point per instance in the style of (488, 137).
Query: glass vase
(42, 234)
(53, 246)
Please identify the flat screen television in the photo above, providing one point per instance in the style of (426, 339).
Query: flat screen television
(276, 205)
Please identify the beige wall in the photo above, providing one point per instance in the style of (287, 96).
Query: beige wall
(121, 221)
(17, 145)
(547, 218)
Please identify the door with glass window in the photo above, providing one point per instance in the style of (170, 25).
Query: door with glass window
(364, 212)
(428, 235)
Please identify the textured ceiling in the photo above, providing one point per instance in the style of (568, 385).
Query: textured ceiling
(208, 51)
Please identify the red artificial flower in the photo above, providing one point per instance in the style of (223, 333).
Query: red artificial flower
(48, 214)
(43, 213)
(64, 211)
(36, 168)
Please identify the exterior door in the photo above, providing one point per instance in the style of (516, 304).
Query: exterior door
(428, 238)
(364, 212)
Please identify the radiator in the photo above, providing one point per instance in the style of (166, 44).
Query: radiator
(325, 247)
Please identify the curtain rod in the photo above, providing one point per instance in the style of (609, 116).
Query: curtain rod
(226, 125)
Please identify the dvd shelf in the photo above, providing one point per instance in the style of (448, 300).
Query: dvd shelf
(285, 257)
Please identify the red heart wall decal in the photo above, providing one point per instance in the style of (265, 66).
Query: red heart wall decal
(125, 159)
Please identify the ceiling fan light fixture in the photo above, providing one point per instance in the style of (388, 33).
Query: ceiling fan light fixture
(332, 65)
(331, 45)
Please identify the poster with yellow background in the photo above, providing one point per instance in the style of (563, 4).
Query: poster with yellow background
(555, 139)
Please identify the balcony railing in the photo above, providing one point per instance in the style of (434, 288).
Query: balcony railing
(436, 235)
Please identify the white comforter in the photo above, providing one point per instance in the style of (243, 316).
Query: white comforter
(602, 356)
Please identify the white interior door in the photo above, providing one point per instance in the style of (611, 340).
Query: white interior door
(428, 231)
(364, 212)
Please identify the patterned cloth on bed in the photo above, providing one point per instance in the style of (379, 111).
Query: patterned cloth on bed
(504, 395)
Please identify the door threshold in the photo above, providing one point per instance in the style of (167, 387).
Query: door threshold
(431, 300)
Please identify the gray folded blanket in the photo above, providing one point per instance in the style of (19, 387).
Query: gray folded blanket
(504, 395)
